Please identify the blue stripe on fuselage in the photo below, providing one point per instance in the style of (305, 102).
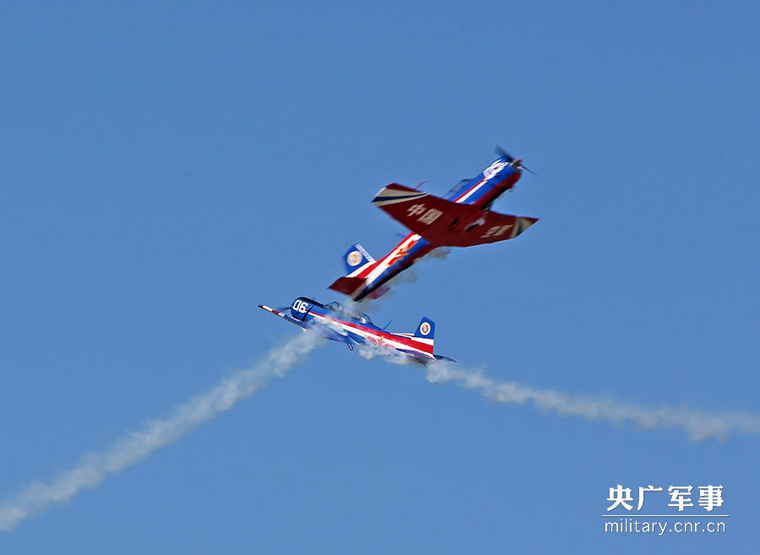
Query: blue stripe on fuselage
(483, 186)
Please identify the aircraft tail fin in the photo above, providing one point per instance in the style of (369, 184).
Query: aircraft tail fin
(423, 340)
(356, 258)
(425, 329)
(426, 333)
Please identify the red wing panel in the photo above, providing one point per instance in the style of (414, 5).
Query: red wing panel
(424, 214)
(490, 228)
(446, 223)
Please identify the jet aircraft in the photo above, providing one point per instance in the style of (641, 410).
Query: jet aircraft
(337, 323)
(462, 218)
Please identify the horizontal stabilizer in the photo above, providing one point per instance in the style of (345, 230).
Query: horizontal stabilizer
(347, 285)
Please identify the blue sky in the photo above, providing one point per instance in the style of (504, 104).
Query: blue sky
(168, 167)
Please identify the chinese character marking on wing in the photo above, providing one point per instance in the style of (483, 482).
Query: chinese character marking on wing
(497, 230)
(430, 216)
(415, 210)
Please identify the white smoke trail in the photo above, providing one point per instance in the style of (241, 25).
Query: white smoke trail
(697, 424)
(134, 447)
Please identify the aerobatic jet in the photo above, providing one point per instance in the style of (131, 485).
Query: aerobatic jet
(338, 323)
(462, 218)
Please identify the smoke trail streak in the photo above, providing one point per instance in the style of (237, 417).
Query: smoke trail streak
(134, 447)
(697, 424)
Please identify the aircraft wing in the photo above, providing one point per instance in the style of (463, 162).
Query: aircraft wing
(446, 223)
(284, 316)
(331, 331)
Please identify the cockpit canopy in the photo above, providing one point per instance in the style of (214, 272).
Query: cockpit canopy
(364, 319)
(453, 192)
(335, 306)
